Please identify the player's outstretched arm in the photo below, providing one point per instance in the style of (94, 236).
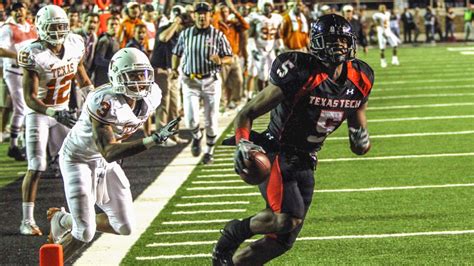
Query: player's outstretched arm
(358, 133)
(113, 150)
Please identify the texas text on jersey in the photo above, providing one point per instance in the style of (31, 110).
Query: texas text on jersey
(109, 108)
(314, 105)
(55, 73)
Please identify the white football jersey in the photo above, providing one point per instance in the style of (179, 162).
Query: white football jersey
(382, 19)
(55, 74)
(109, 108)
(14, 37)
(266, 29)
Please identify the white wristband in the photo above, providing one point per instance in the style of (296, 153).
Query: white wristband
(148, 142)
(50, 111)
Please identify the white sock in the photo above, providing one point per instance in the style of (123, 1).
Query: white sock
(66, 221)
(28, 211)
(210, 149)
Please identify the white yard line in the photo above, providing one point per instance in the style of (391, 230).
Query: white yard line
(425, 134)
(210, 231)
(218, 182)
(195, 222)
(431, 95)
(218, 188)
(342, 190)
(212, 203)
(468, 53)
(423, 81)
(448, 87)
(322, 238)
(111, 249)
(208, 211)
(218, 175)
(172, 257)
(446, 117)
(216, 170)
(458, 49)
(419, 106)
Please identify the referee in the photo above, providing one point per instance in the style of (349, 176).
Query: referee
(203, 50)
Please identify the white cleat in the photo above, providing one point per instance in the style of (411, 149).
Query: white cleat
(383, 63)
(29, 228)
(395, 61)
(56, 232)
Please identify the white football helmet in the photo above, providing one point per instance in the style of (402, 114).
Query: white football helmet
(131, 73)
(52, 24)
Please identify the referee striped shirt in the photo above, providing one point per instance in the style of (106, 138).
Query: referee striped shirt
(195, 47)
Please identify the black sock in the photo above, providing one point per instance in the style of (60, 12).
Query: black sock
(234, 234)
(244, 229)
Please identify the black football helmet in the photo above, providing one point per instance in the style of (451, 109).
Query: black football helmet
(324, 35)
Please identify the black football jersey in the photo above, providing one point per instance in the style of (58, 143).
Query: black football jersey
(314, 105)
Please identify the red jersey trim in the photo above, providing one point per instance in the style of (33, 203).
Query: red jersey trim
(359, 79)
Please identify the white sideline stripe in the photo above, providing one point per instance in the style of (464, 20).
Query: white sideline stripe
(467, 53)
(426, 87)
(343, 190)
(420, 118)
(420, 96)
(209, 211)
(211, 203)
(172, 257)
(196, 222)
(187, 232)
(107, 250)
(419, 106)
(218, 188)
(457, 49)
(422, 81)
(218, 182)
(221, 175)
(322, 238)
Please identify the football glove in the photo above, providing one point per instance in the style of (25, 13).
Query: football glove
(243, 153)
(66, 117)
(359, 138)
(165, 132)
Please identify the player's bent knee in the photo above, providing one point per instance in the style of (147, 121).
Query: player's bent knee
(285, 223)
(125, 229)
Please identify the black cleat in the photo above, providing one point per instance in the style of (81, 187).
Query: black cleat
(208, 158)
(221, 258)
(16, 153)
(226, 245)
(196, 147)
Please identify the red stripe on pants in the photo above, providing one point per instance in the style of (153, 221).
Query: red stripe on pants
(275, 187)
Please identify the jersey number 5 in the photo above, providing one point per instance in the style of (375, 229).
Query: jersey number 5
(58, 90)
(284, 68)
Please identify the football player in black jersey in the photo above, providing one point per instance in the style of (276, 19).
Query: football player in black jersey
(309, 96)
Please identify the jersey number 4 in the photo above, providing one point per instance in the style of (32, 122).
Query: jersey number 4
(58, 90)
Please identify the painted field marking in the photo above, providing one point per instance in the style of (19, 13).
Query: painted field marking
(419, 106)
(211, 203)
(218, 182)
(420, 96)
(213, 176)
(216, 170)
(209, 211)
(210, 231)
(468, 53)
(342, 190)
(420, 118)
(422, 81)
(172, 257)
(322, 238)
(195, 222)
(218, 188)
(457, 49)
(425, 88)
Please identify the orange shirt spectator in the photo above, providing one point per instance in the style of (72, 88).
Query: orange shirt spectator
(294, 29)
(125, 31)
(231, 28)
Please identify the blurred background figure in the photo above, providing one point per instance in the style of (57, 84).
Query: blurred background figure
(294, 29)
(408, 25)
(149, 19)
(133, 18)
(395, 22)
(385, 35)
(107, 46)
(357, 27)
(228, 20)
(429, 24)
(468, 18)
(449, 25)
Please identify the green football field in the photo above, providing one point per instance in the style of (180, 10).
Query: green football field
(408, 201)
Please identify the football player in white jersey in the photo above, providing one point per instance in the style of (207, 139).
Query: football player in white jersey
(384, 35)
(88, 156)
(49, 66)
(15, 34)
(261, 48)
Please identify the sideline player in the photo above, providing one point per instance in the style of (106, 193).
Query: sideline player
(309, 97)
(14, 35)
(49, 65)
(384, 35)
(261, 48)
(88, 156)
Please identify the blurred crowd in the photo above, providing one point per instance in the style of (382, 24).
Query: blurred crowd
(154, 29)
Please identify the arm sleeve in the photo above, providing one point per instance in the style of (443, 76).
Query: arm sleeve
(290, 73)
(224, 46)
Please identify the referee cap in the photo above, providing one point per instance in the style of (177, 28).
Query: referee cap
(202, 7)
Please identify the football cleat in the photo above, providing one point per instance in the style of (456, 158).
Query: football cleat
(383, 63)
(395, 61)
(57, 231)
(226, 246)
(196, 147)
(221, 258)
(29, 228)
(16, 153)
(208, 158)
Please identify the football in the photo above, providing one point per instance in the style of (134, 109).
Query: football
(259, 168)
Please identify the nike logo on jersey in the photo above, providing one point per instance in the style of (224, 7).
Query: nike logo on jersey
(334, 103)
(63, 70)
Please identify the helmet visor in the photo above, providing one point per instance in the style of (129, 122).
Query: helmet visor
(138, 81)
(57, 31)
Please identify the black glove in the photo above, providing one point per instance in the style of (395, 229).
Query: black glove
(66, 117)
(167, 131)
(359, 138)
(243, 153)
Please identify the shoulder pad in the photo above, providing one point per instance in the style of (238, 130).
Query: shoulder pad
(361, 75)
(101, 105)
(26, 56)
